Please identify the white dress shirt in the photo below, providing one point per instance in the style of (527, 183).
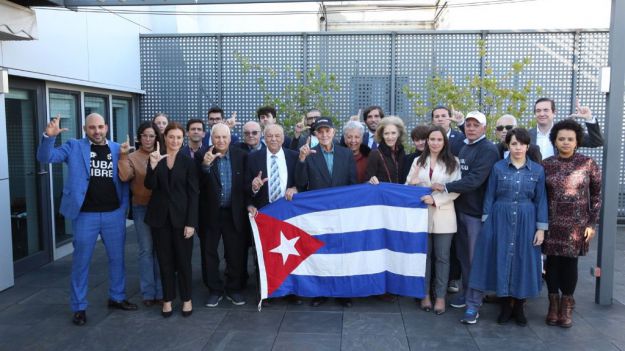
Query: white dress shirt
(282, 171)
(543, 142)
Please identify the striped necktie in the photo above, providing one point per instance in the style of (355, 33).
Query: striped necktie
(274, 180)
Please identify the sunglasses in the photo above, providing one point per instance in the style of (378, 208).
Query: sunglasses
(254, 133)
(500, 128)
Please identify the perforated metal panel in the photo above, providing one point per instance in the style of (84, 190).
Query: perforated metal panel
(184, 75)
(361, 62)
(551, 65)
(179, 75)
(241, 93)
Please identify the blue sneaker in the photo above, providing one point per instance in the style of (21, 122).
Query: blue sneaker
(458, 302)
(470, 316)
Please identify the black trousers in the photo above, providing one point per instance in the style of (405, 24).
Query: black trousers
(561, 274)
(174, 256)
(235, 254)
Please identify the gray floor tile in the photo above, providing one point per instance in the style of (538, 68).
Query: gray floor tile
(442, 342)
(359, 342)
(419, 324)
(265, 321)
(520, 343)
(359, 323)
(307, 342)
(235, 340)
(312, 322)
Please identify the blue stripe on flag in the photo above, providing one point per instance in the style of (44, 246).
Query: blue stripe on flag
(375, 239)
(386, 194)
(352, 286)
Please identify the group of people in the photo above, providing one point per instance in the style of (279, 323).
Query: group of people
(494, 207)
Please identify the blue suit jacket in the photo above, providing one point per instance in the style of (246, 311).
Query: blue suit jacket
(76, 153)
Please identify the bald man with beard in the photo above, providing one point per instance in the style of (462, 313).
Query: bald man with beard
(95, 200)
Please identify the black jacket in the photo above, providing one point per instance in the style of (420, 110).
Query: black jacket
(210, 189)
(312, 174)
(257, 162)
(174, 194)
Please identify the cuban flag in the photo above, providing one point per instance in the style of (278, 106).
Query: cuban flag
(349, 241)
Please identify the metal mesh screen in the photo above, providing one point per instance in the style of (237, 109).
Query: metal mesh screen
(184, 75)
(179, 75)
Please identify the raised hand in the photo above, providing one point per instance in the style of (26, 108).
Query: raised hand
(581, 111)
(54, 127)
(300, 127)
(356, 117)
(156, 157)
(232, 121)
(209, 157)
(125, 146)
(374, 180)
(456, 116)
(305, 150)
(258, 182)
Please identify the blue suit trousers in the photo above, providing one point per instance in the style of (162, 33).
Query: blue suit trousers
(111, 226)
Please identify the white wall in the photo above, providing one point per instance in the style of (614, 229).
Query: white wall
(93, 49)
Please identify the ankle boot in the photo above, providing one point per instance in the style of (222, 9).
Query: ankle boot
(565, 320)
(506, 310)
(518, 311)
(554, 309)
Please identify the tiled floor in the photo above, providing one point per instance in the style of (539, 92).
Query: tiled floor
(34, 315)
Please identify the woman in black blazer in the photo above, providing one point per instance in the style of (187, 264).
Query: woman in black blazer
(173, 214)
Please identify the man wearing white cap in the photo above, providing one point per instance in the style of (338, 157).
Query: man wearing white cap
(477, 158)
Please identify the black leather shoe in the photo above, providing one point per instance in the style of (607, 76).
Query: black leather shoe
(318, 301)
(80, 318)
(344, 301)
(122, 305)
(168, 313)
(187, 313)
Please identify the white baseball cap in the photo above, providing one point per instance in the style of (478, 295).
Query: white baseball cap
(478, 116)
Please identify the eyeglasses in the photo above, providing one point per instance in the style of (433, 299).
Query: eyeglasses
(254, 133)
(500, 128)
(148, 136)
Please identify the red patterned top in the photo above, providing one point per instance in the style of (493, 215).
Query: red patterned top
(574, 197)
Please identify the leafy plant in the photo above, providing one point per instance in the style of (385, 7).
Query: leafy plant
(300, 92)
(491, 94)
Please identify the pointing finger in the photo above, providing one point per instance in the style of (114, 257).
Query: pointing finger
(127, 139)
(265, 180)
(218, 154)
(359, 112)
(260, 174)
(158, 147)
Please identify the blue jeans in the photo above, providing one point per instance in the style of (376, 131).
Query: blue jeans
(111, 226)
(149, 274)
(469, 228)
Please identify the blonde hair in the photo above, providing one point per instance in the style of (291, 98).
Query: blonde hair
(387, 121)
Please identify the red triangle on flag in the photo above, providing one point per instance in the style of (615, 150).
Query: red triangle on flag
(284, 247)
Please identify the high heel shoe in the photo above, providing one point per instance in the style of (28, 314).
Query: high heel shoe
(187, 313)
(426, 304)
(439, 306)
(167, 314)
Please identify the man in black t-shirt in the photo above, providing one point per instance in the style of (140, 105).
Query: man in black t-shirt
(95, 200)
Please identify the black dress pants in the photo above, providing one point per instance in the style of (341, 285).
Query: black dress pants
(174, 257)
(235, 253)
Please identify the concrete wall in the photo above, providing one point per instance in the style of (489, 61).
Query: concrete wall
(93, 49)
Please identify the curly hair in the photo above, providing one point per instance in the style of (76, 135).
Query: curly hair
(567, 124)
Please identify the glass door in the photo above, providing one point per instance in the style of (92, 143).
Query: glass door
(28, 179)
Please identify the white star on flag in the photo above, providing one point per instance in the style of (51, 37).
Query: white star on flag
(286, 247)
